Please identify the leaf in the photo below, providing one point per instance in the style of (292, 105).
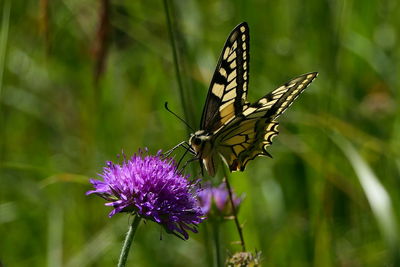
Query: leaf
(375, 192)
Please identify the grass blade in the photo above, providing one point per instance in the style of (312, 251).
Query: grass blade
(375, 192)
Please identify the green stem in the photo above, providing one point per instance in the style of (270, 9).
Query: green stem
(187, 113)
(175, 56)
(208, 244)
(5, 25)
(234, 211)
(217, 244)
(128, 242)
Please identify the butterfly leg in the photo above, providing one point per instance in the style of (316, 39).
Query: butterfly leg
(187, 162)
(202, 169)
(180, 160)
(166, 154)
(189, 148)
(183, 144)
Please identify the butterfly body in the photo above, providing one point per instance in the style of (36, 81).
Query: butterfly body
(231, 127)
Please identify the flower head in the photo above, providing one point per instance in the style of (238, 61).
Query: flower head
(151, 187)
(244, 259)
(215, 201)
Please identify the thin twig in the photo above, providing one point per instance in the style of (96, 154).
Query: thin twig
(234, 211)
(101, 43)
(4, 29)
(44, 23)
(5, 24)
(175, 56)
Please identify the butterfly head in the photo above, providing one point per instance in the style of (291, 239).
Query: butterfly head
(198, 140)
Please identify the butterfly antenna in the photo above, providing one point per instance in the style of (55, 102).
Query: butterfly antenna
(173, 113)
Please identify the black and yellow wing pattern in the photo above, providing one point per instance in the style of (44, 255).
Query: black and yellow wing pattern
(230, 126)
(252, 132)
(228, 88)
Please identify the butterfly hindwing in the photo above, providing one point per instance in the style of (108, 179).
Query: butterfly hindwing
(251, 133)
(246, 140)
(228, 89)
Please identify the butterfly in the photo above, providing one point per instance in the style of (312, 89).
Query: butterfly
(231, 127)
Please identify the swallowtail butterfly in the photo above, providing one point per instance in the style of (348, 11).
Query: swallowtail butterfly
(231, 127)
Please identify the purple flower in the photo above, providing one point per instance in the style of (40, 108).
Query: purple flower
(215, 200)
(152, 188)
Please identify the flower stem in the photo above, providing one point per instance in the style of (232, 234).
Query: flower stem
(175, 56)
(217, 244)
(238, 226)
(128, 242)
(208, 245)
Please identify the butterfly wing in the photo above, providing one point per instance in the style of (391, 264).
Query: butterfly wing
(228, 88)
(251, 133)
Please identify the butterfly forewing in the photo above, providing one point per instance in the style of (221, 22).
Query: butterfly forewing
(228, 89)
(275, 103)
(283, 96)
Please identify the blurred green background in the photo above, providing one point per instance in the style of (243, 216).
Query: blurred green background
(80, 81)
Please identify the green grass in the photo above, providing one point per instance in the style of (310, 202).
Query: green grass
(329, 197)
